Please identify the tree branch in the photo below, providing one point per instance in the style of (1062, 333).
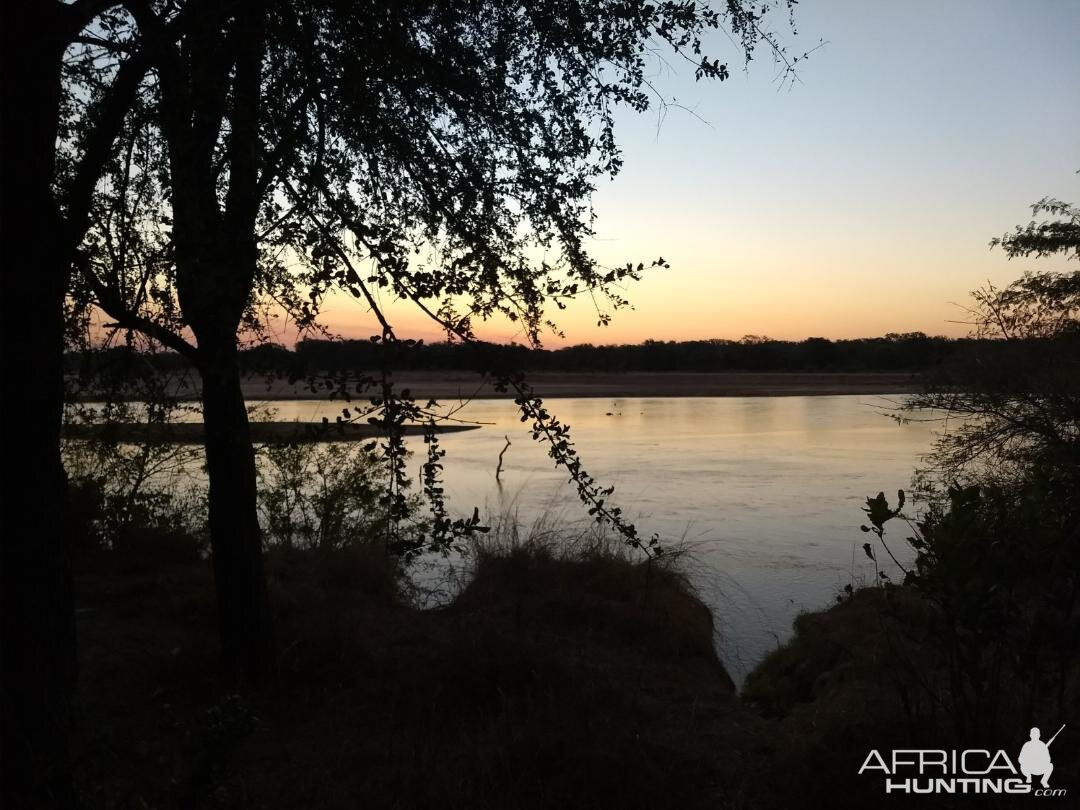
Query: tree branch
(110, 303)
(110, 119)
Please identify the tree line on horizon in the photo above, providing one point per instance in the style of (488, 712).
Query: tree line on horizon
(893, 352)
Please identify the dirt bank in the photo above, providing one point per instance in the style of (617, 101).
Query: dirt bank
(547, 683)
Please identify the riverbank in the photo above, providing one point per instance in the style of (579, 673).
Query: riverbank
(579, 680)
(194, 433)
(546, 683)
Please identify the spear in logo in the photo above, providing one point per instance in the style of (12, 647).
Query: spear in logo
(1051, 740)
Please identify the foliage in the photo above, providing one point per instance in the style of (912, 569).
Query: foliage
(1047, 238)
(116, 487)
(878, 512)
(1023, 408)
(1018, 407)
(311, 495)
(549, 429)
(1000, 565)
(458, 139)
(319, 495)
(466, 137)
(996, 545)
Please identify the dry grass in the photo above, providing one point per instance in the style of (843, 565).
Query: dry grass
(870, 673)
(563, 674)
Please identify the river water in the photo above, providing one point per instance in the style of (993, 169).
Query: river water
(766, 490)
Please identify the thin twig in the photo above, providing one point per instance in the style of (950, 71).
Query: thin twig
(498, 469)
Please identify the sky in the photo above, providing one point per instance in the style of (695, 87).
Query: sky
(857, 200)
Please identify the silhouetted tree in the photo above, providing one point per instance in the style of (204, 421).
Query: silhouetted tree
(1016, 393)
(423, 148)
(996, 551)
(44, 219)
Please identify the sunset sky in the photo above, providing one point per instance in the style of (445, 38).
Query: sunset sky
(856, 201)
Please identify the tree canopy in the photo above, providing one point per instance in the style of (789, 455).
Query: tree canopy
(1017, 397)
(444, 152)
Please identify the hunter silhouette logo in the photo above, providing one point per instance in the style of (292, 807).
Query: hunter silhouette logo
(1035, 757)
(972, 770)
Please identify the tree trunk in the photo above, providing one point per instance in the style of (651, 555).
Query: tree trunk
(216, 259)
(39, 658)
(39, 654)
(244, 619)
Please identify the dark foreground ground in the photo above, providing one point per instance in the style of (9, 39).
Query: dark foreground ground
(548, 683)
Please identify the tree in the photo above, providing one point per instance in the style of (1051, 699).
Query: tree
(212, 81)
(44, 219)
(427, 149)
(1014, 395)
(996, 549)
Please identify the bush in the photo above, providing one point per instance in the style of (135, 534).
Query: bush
(320, 495)
(115, 489)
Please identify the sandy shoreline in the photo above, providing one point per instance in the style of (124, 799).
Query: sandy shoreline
(469, 385)
(193, 433)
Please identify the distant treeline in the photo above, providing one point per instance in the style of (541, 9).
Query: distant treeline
(910, 351)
